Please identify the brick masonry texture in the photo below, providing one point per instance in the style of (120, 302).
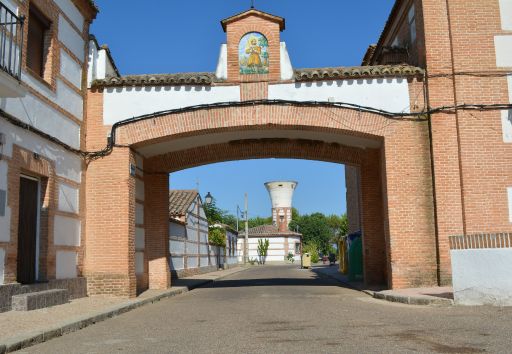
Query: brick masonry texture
(418, 185)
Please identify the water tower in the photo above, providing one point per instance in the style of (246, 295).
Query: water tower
(281, 194)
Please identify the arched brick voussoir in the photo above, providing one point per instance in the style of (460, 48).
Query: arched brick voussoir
(255, 149)
(259, 116)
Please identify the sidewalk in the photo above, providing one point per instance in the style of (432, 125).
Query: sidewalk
(440, 296)
(23, 329)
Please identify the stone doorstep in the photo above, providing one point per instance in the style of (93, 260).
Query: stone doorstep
(39, 300)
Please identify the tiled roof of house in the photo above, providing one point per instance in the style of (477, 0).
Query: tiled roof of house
(180, 200)
(158, 80)
(369, 54)
(205, 78)
(356, 72)
(268, 230)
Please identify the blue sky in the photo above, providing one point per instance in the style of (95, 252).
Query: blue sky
(168, 36)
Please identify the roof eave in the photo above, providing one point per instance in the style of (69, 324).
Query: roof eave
(280, 20)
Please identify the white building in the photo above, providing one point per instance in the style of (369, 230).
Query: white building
(282, 241)
(190, 252)
(42, 94)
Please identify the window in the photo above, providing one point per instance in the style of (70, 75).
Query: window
(297, 248)
(38, 41)
(412, 23)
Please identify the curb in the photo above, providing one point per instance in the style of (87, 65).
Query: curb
(33, 338)
(403, 299)
(413, 300)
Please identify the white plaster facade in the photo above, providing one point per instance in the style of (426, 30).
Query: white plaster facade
(482, 276)
(277, 250)
(189, 249)
(36, 106)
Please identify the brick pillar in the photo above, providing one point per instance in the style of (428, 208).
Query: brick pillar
(110, 235)
(156, 221)
(445, 131)
(353, 197)
(374, 245)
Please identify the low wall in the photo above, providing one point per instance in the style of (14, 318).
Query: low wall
(76, 287)
(482, 269)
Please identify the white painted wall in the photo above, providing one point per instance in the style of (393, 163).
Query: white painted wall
(66, 231)
(128, 102)
(509, 190)
(68, 198)
(33, 111)
(5, 229)
(71, 12)
(506, 14)
(64, 96)
(286, 64)
(192, 262)
(281, 193)
(390, 94)
(177, 230)
(177, 263)
(2, 265)
(99, 62)
(506, 122)
(71, 38)
(222, 63)
(70, 69)
(176, 247)
(503, 50)
(276, 251)
(67, 165)
(66, 264)
(482, 276)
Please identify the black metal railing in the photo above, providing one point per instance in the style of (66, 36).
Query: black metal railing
(11, 41)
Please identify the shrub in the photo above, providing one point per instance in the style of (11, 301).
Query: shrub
(217, 237)
(312, 249)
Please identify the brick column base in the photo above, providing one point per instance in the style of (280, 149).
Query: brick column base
(156, 221)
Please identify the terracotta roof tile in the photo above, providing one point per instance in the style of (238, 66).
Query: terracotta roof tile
(158, 80)
(356, 72)
(180, 201)
(267, 230)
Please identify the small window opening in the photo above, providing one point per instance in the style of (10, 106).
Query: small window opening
(38, 41)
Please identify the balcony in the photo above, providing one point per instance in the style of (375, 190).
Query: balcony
(11, 44)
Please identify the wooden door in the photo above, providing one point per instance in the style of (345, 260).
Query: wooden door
(27, 230)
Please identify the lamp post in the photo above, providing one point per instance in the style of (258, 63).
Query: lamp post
(208, 198)
(246, 249)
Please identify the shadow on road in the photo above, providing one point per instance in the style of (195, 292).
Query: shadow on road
(315, 280)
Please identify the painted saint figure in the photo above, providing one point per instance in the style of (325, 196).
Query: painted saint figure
(253, 54)
(254, 51)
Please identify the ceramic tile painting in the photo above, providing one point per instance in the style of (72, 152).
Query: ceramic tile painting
(253, 54)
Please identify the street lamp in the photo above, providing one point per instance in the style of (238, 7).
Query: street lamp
(208, 199)
(240, 214)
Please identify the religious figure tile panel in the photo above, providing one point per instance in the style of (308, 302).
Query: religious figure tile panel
(253, 54)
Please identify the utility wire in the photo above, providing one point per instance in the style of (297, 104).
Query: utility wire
(111, 143)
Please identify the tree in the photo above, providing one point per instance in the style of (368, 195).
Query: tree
(338, 226)
(263, 249)
(314, 229)
(258, 221)
(215, 215)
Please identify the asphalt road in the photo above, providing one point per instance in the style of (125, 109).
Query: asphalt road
(282, 309)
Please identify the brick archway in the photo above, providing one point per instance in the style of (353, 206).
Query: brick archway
(391, 156)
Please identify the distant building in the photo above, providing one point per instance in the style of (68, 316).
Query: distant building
(282, 240)
(190, 252)
(230, 252)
